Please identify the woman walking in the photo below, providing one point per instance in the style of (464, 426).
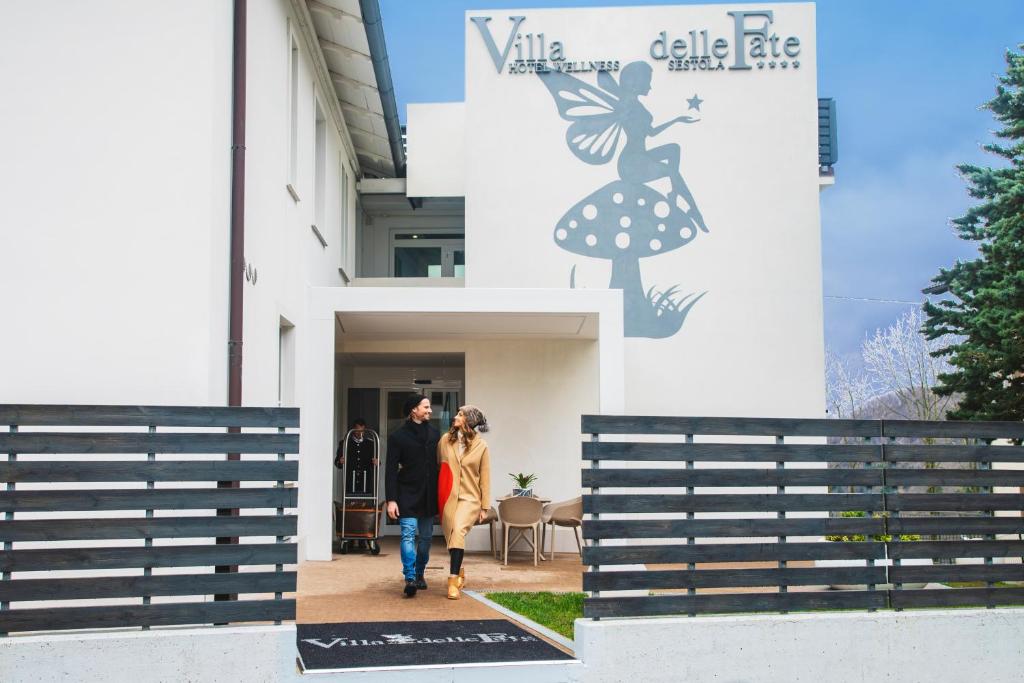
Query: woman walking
(464, 486)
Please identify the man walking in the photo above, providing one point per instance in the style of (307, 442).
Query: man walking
(410, 485)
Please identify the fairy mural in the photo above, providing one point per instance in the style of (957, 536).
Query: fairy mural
(627, 220)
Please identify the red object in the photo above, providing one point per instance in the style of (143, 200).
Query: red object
(444, 486)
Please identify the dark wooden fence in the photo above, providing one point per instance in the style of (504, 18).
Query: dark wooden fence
(49, 500)
(888, 493)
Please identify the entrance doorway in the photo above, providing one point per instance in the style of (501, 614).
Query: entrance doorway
(374, 386)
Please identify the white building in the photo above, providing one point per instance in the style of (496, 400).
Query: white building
(549, 249)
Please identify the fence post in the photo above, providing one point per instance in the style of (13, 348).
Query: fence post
(987, 465)
(690, 540)
(886, 490)
(148, 571)
(596, 542)
(870, 562)
(280, 513)
(9, 515)
(781, 514)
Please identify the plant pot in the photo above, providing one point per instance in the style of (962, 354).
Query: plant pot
(526, 493)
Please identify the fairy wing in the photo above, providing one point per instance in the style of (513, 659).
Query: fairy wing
(596, 124)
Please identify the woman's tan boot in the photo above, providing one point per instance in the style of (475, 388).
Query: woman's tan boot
(462, 577)
(453, 588)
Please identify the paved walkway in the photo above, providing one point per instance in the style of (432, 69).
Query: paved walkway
(363, 587)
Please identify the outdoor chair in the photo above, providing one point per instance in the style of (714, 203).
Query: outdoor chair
(567, 513)
(521, 513)
(489, 520)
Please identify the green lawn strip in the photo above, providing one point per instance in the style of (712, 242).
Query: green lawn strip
(557, 611)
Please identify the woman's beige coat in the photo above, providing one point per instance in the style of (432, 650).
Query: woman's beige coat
(468, 480)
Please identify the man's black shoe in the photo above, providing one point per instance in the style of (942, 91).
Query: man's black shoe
(410, 588)
(421, 584)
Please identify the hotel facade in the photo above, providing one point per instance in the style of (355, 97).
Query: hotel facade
(622, 217)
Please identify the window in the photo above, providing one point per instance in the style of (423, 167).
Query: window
(293, 117)
(428, 254)
(319, 166)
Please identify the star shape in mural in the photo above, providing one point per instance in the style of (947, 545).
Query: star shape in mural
(760, 65)
(784, 63)
(694, 102)
(771, 64)
(796, 64)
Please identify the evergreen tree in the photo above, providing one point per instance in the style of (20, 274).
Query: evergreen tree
(987, 308)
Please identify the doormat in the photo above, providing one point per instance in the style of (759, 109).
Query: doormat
(391, 644)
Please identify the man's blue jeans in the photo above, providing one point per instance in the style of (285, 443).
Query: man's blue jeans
(415, 552)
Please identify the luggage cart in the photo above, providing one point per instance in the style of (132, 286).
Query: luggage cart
(357, 515)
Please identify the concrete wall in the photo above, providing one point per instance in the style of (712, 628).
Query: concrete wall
(436, 136)
(950, 645)
(114, 252)
(116, 140)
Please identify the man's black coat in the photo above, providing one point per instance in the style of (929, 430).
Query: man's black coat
(411, 473)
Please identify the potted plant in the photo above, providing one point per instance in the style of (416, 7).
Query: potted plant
(522, 484)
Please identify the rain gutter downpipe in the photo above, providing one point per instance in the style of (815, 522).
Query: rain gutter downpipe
(374, 27)
(237, 259)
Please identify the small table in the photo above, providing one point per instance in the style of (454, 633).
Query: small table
(519, 532)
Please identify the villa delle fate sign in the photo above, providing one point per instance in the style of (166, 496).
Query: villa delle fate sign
(753, 42)
(600, 154)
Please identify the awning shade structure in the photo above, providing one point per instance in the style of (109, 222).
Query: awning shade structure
(350, 49)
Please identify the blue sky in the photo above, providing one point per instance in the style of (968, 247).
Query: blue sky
(908, 77)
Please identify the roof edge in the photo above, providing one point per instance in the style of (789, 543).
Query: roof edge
(374, 27)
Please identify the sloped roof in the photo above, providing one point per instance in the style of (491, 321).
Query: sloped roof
(352, 42)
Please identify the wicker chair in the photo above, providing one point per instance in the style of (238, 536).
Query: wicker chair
(521, 513)
(567, 513)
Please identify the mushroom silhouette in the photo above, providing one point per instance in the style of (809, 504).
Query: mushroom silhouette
(625, 222)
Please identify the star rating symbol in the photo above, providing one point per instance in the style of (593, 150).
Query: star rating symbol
(771, 64)
(694, 102)
(796, 64)
(760, 65)
(784, 64)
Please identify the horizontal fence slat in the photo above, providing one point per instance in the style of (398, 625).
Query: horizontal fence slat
(946, 573)
(731, 578)
(756, 426)
(133, 586)
(734, 528)
(951, 429)
(172, 614)
(941, 477)
(142, 442)
(954, 502)
(950, 453)
(48, 559)
(160, 470)
(147, 499)
(731, 603)
(144, 416)
(933, 549)
(624, 478)
(141, 527)
(957, 597)
(955, 525)
(729, 452)
(640, 502)
(730, 552)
